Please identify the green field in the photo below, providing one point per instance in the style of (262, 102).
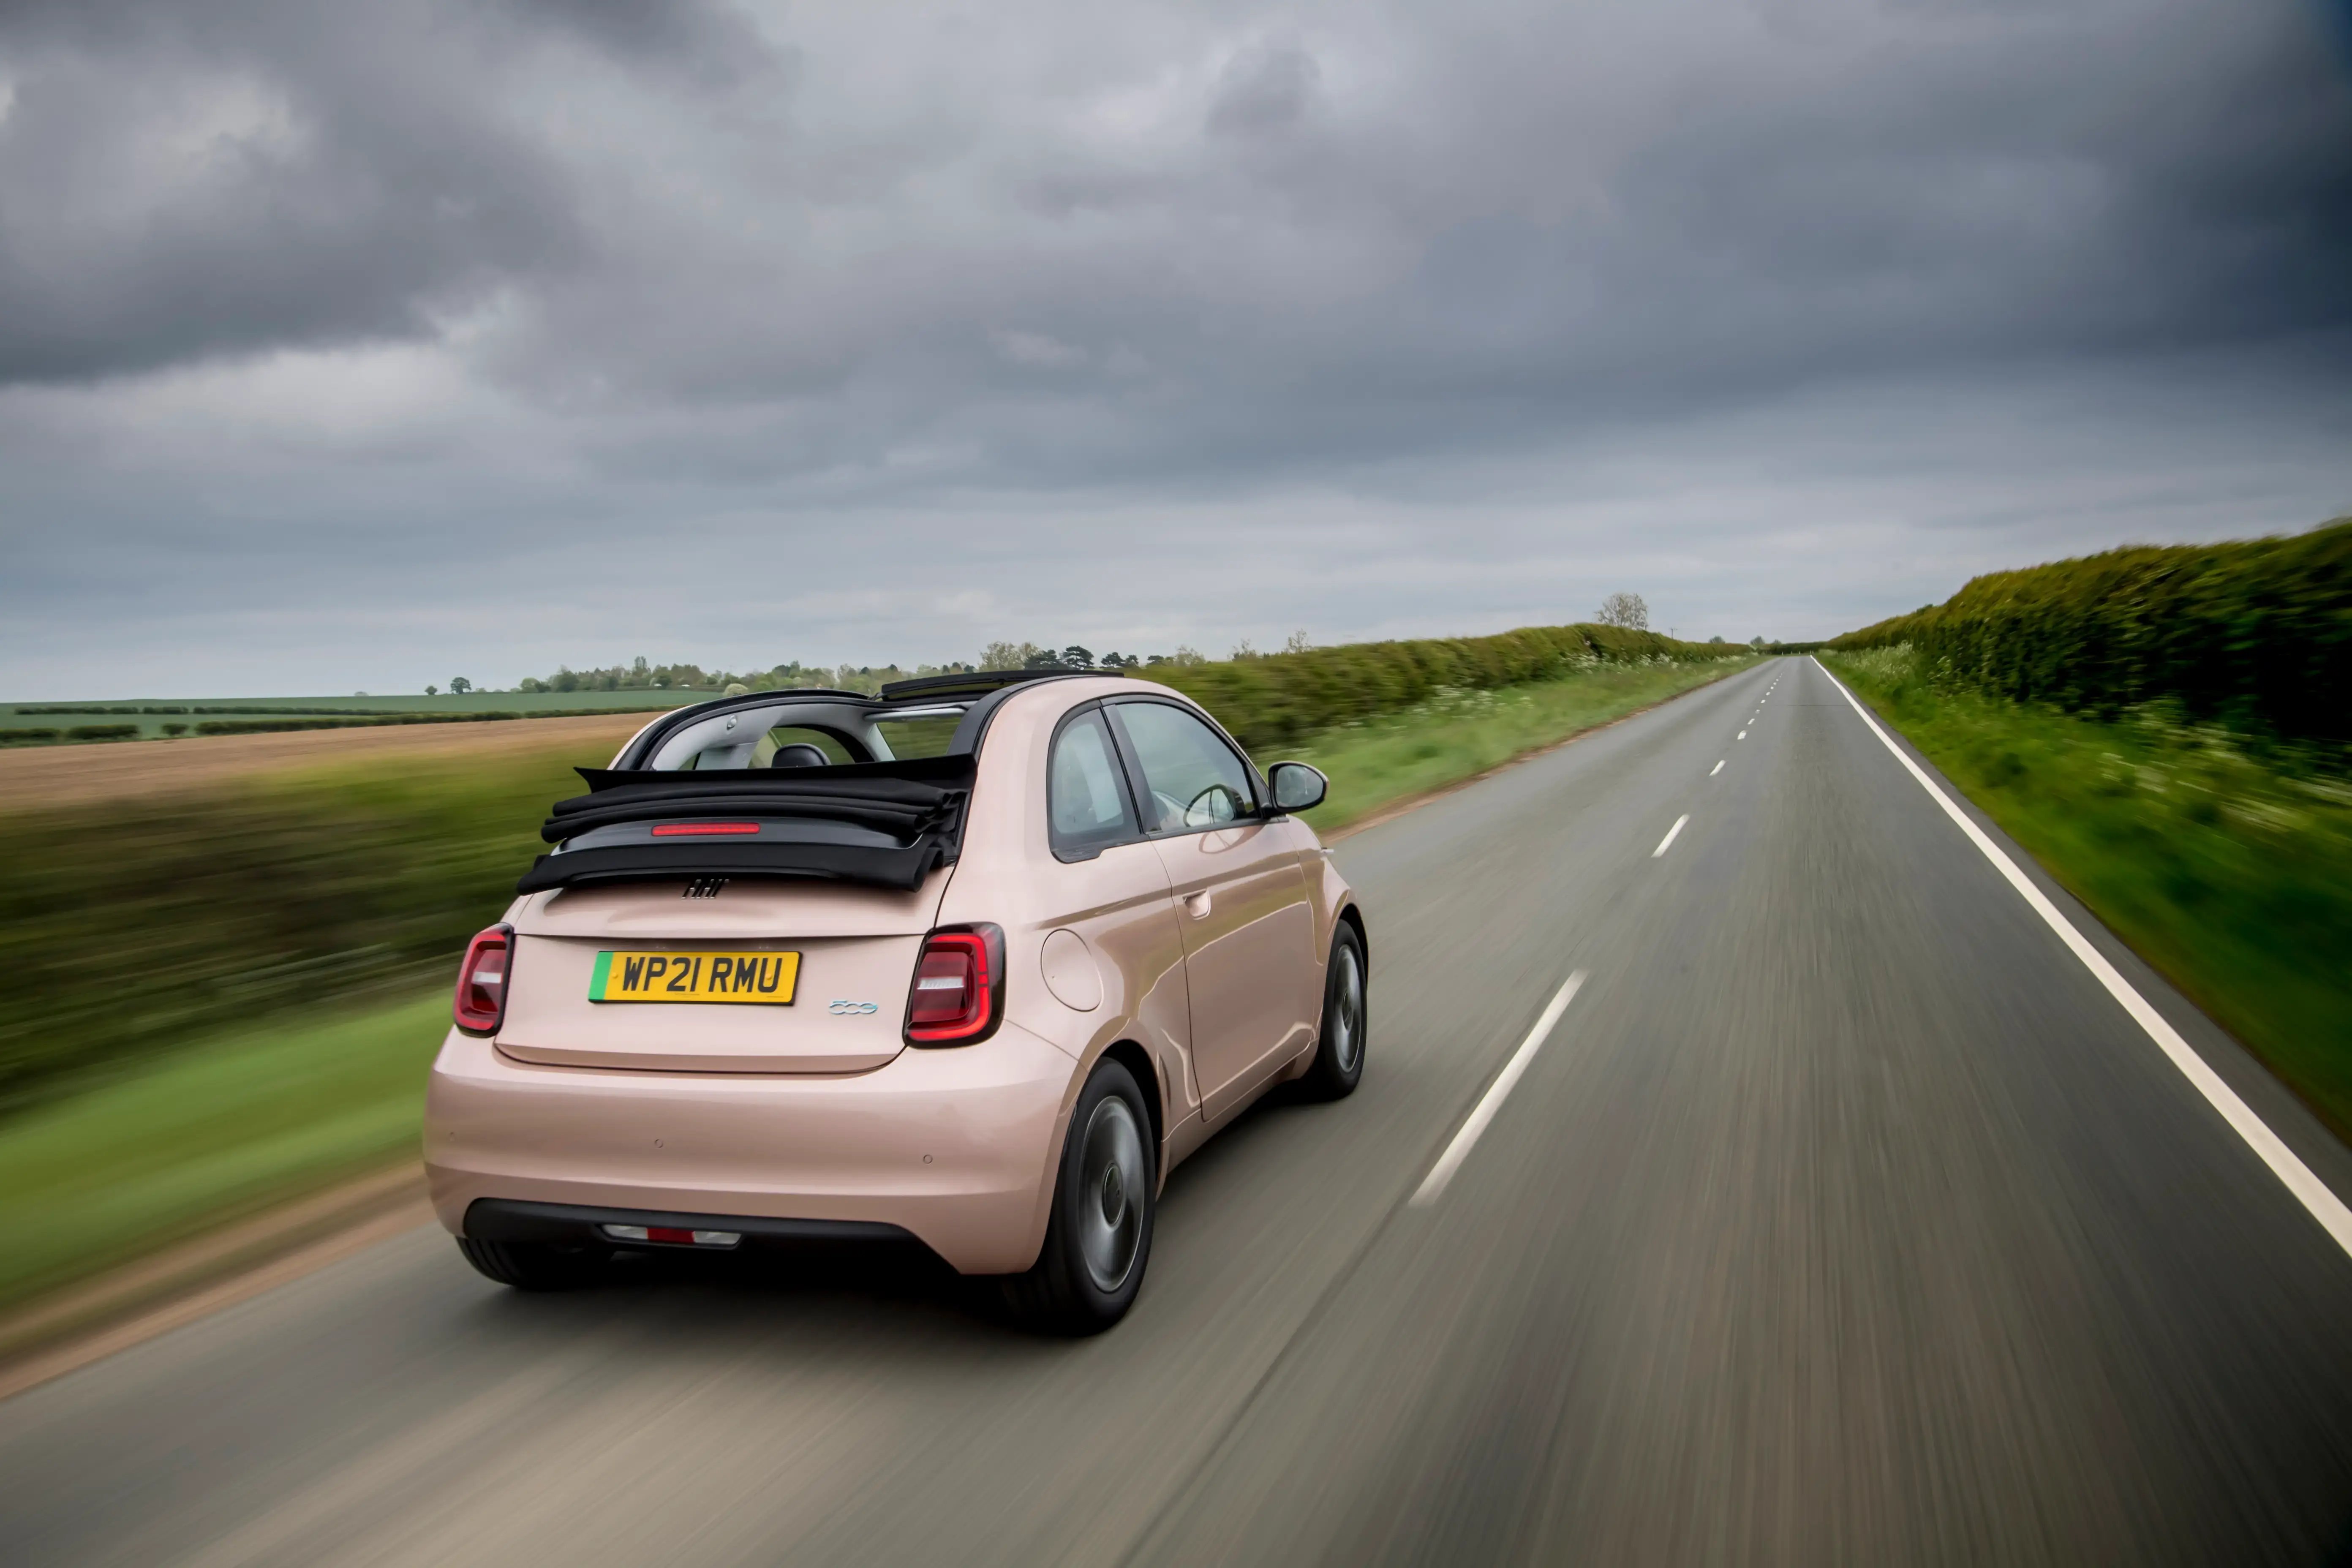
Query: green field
(150, 723)
(2229, 870)
(144, 1114)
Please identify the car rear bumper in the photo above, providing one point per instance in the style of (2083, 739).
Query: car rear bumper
(953, 1147)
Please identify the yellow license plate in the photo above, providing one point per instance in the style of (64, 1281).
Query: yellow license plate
(766, 977)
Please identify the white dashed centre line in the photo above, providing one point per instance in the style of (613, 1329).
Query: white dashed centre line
(1741, 736)
(1715, 769)
(1434, 1185)
(1667, 842)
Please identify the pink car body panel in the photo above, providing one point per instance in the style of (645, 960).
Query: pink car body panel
(1199, 956)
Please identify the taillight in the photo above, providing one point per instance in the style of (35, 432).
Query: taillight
(959, 995)
(482, 981)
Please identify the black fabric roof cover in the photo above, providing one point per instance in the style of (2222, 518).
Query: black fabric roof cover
(919, 801)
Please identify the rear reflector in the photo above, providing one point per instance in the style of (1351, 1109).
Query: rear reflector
(703, 829)
(670, 1236)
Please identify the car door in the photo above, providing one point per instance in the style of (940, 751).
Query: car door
(1113, 945)
(1241, 901)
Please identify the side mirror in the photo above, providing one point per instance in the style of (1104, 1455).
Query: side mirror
(1296, 786)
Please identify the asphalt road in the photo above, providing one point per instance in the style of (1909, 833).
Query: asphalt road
(1842, 1218)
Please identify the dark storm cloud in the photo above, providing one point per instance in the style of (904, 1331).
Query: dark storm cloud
(180, 183)
(1499, 208)
(1265, 88)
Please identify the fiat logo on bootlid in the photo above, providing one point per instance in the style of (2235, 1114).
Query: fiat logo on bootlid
(844, 1008)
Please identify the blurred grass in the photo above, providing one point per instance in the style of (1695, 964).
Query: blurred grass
(2230, 871)
(1457, 735)
(143, 929)
(207, 1135)
(136, 926)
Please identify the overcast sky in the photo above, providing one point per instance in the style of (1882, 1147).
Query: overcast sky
(351, 347)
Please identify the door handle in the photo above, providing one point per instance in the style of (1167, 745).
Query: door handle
(1197, 906)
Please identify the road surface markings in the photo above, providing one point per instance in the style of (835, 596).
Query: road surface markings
(1433, 1186)
(1741, 736)
(1715, 769)
(2309, 1190)
(1667, 842)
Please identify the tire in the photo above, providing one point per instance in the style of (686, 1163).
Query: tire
(1338, 1063)
(1098, 1236)
(527, 1266)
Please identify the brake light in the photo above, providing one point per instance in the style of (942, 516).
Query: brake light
(958, 991)
(703, 829)
(482, 981)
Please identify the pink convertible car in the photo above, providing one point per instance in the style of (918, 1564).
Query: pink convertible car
(974, 961)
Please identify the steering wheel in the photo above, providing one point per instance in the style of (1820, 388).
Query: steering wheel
(1212, 794)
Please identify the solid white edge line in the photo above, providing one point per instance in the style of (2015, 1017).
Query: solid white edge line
(1715, 769)
(2309, 1190)
(1433, 1186)
(1667, 842)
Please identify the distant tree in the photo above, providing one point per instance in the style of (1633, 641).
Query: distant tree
(1076, 657)
(1758, 645)
(1242, 649)
(1008, 655)
(460, 685)
(431, 690)
(1299, 643)
(175, 729)
(1184, 654)
(1714, 639)
(1625, 611)
(532, 683)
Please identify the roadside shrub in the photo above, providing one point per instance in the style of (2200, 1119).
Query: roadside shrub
(101, 732)
(1275, 698)
(2253, 635)
(133, 924)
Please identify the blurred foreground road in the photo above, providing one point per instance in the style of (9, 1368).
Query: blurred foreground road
(1842, 1218)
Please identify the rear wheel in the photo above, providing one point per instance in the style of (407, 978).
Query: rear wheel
(1338, 1062)
(1098, 1237)
(529, 1266)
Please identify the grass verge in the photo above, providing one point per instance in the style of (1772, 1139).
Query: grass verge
(206, 1136)
(2230, 874)
(201, 1135)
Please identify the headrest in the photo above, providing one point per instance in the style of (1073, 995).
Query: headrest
(799, 754)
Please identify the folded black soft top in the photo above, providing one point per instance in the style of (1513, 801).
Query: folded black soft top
(918, 802)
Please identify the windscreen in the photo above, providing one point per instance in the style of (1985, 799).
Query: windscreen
(926, 733)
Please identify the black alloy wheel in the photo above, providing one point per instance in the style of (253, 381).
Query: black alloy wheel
(1338, 1062)
(1098, 1237)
